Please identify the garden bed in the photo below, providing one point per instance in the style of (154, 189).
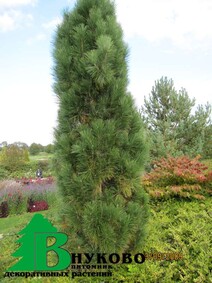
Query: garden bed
(26, 195)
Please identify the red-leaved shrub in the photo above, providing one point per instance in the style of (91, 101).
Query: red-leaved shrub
(38, 205)
(178, 176)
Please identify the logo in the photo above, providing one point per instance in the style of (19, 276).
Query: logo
(34, 247)
(40, 238)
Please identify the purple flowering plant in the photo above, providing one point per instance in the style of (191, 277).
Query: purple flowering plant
(17, 192)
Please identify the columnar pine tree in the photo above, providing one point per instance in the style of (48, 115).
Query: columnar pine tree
(100, 141)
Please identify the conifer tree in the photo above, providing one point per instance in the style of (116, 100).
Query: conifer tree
(207, 147)
(174, 129)
(100, 142)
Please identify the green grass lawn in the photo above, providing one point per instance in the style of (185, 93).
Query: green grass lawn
(174, 226)
(40, 156)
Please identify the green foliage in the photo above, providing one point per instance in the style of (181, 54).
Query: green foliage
(28, 170)
(100, 139)
(35, 148)
(17, 203)
(174, 130)
(12, 157)
(3, 144)
(208, 163)
(174, 227)
(43, 164)
(3, 173)
(179, 176)
(207, 147)
(49, 148)
(17, 193)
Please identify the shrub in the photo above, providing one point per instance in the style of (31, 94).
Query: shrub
(208, 163)
(11, 192)
(175, 227)
(43, 164)
(12, 157)
(17, 193)
(8, 185)
(4, 209)
(34, 206)
(180, 176)
(3, 173)
(35, 148)
(28, 170)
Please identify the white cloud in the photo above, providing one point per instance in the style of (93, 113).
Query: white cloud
(36, 38)
(32, 115)
(15, 3)
(187, 24)
(53, 23)
(12, 19)
(9, 20)
(71, 2)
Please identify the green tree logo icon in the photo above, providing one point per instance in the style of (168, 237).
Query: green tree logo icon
(33, 246)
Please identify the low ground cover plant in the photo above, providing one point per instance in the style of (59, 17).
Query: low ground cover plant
(179, 176)
(176, 226)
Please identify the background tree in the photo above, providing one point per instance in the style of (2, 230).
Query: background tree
(21, 144)
(207, 146)
(35, 148)
(12, 157)
(3, 144)
(49, 148)
(100, 140)
(173, 128)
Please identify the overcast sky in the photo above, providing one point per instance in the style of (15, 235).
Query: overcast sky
(170, 38)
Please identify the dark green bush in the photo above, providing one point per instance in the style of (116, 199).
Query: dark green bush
(43, 164)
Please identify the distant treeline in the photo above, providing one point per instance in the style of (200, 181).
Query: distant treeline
(34, 148)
